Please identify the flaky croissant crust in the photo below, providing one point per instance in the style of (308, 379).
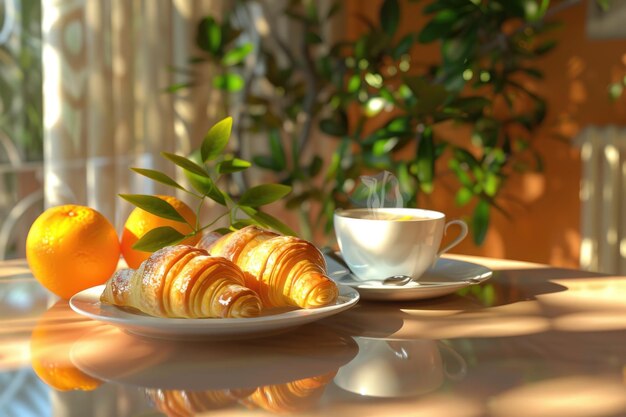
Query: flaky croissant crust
(283, 270)
(183, 281)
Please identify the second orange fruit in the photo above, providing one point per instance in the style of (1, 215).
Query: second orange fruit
(140, 222)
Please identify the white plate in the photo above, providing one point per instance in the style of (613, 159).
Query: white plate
(446, 277)
(87, 303)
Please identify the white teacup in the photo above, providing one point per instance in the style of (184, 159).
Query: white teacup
(379, 243)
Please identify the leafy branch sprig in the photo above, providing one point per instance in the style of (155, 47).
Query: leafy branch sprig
(205, 170)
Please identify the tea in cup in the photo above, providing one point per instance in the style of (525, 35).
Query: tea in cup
(379, 243)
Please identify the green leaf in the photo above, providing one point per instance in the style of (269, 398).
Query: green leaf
(154, 205)
(390, 16)
(463, 156)
(615, 90)
(277, 149)
(216, 139)
(267, 162)
(209, 36)
(491, 184)
(263, 194)
(471, 104)
(237, 55)
(341, 154)
(480, 221)
(333, 127)
(429, 96)
(405, 180)
(403, 46)
(158, 177)
(533, 72)
(205, 186)
(439, 27)
(545, 47)
(316, 166)
(186, 164)
(463, 196)
(177, 87)
(426, 160)
(272, 222)
(460, 173)
(229, 82)
(354, 84)
(456, 52)
(233, 165)
(241, 223)
(158, 238)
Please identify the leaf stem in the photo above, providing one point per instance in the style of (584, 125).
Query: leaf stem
(200, 204)
(214, 221)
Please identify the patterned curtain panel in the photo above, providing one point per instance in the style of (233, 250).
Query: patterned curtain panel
(106, 66)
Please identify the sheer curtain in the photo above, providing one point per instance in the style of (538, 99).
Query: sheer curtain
(105, 67)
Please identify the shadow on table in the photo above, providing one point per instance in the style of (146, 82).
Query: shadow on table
(512, 302)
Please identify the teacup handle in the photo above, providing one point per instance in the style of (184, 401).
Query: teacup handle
(460, 374)
(458, 239)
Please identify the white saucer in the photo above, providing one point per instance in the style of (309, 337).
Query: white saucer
(88, 304)
(446, 277)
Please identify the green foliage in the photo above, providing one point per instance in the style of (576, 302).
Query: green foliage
(384, 110)
(206, 169)
(21, 113)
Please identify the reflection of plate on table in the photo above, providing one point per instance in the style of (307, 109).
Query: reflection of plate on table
(308, 351)
(445, 277)
(87, 303)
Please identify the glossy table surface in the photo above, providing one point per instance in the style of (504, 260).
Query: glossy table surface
(533, 341)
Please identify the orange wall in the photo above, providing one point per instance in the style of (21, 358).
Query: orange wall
(545, 228)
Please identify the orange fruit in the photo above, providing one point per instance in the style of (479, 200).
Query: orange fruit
(70, 248)
(50, 344)
(140, 222)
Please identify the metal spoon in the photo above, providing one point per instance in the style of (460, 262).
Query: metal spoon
(394, 280)
(400, 280)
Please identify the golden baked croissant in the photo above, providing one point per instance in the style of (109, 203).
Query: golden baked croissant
(183, 281)
(283, 270)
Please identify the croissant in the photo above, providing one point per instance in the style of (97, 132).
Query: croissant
(183, 281)
(283, 270)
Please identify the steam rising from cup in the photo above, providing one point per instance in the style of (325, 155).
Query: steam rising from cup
(379, 191)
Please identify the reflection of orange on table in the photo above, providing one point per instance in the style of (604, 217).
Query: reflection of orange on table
(50, 344)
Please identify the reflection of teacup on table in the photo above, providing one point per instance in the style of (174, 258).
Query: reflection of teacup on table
(400, 368)
(379, 243)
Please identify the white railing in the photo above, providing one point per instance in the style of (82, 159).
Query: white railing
(603, 199)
